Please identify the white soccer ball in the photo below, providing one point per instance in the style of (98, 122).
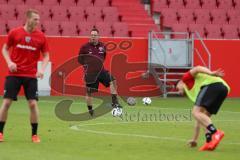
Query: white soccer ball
(147, 100)
(116, 112)
(131, 101)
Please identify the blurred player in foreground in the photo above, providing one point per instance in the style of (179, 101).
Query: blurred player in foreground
(26, 42)
(208, 91)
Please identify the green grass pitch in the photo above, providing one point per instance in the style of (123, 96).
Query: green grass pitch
(142, 133)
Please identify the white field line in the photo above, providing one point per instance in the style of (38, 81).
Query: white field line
(126, 134)
(81, 129)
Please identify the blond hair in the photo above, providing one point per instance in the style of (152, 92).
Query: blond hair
(30, 12)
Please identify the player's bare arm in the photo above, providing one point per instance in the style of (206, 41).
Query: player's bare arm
(193, 142)
(200, 69)
(45, 61)
(11, 65)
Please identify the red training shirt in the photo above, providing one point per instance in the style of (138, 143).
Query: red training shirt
(188, 79)
(26, 48)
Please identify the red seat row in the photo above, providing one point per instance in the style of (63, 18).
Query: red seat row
(84, 3)
(118, 29)
(56, 13)
(195, 4)
(200, 16)
(210, 31)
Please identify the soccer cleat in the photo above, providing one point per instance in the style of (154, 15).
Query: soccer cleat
(205, 147)
(36, 139)
(1, 137)
(216, 138)
(116, 105)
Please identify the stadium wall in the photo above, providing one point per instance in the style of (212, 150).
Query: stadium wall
(125, 54)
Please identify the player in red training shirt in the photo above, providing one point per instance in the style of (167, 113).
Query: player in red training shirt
(26, 43)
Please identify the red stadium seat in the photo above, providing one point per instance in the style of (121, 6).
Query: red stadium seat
(14, 23)
(144, 19)
(230, 31)
(159, 4)
(85, 28)
(182, 31)
(15, 2)
(186, 16)
(141, 30)
(214, 31)
(84, 3)
(101, 3)
(193, 4)
(59, 13)
(177, 4)
(105, 29)
(44, 12)
(68, 29)
(7, 12)
(202, 16)
(233, 17)
(197, 28)
(120, 29)
(236, 4)
(68, 3)
(180, 27)
(51, 28)
(110, 14)
(33, 2)
(209, 4)
(3, 28)
(3, 2)
(21, 11)
(225, 4)
(219, 16)
(76, 14)
(51, 2)
(168, 17)
(94, 14)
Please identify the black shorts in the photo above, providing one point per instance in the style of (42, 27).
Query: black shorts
(13, 85)
(212, 96)
(92, 80)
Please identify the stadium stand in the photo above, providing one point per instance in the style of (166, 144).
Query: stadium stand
(208, 17)
(84, 3)
(76, 14)
(33, 2)
(83, 28)
(68, 28)
(120, 29)
(110, 14)
(7, 12)
(102, 3)
(129, 18)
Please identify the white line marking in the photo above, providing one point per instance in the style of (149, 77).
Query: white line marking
(128, 135)
(77, 128)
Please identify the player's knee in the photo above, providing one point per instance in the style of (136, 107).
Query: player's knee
(114, 83)
(7, 103)
(32, 104)
(195, 112)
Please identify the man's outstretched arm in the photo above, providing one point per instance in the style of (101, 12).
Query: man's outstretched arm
(200, 69)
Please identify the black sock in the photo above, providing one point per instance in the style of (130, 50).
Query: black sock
(114, 99)
(2, 126)
(208, 137)
(212, 128)
(34, 128)
(89, 107)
